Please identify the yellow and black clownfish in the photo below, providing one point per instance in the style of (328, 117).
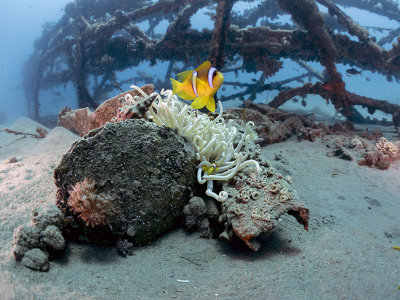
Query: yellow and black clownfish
(199, 86)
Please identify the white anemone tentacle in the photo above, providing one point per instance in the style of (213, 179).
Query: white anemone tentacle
(199, 177)
(208, 146)
(204, 163)
(228, 173)
(221, 197)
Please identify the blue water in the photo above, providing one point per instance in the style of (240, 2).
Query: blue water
(21, 22)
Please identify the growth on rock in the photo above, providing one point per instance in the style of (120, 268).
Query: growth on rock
(92, 207)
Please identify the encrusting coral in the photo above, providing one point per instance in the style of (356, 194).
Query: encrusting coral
(219, 158)
(256, 202)
(93, 208)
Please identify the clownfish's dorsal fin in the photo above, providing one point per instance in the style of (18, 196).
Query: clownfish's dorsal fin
(184, 75)
(205, 66)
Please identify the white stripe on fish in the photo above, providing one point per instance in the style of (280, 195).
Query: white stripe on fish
(211, 76)
(194, 84)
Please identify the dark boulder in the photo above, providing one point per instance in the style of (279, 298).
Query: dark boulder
(126, 180)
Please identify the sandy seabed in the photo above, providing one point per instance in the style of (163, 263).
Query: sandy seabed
(347, 253)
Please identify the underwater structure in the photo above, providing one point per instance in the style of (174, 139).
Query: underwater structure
(243, 177)
(94, 40)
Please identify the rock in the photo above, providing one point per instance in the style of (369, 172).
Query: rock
(124, 247)
(196, 216)
(53, 238)
(78, 120)
(81, 121)
(341, 152)
(36, 259)
(43, 235)
(109, 108)
(194, 212)
(25, 238)
(271, 125)
(10, 160)
(42, 217)
(355, 143)
(202, 215)
(213, 212)
(128, 180)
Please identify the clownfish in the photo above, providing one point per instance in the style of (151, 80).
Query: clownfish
(211, 169)
(199, 86)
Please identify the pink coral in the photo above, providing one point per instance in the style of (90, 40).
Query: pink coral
(376, 159)
(387, 147)
(92, 207)
(382, 157)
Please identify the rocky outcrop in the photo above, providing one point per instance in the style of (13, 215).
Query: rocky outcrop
(270, 124)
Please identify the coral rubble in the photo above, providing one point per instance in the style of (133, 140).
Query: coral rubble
(368, 150)
(380, 155)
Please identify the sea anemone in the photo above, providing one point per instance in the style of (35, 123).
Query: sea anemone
(93, 208)
(219, 158)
